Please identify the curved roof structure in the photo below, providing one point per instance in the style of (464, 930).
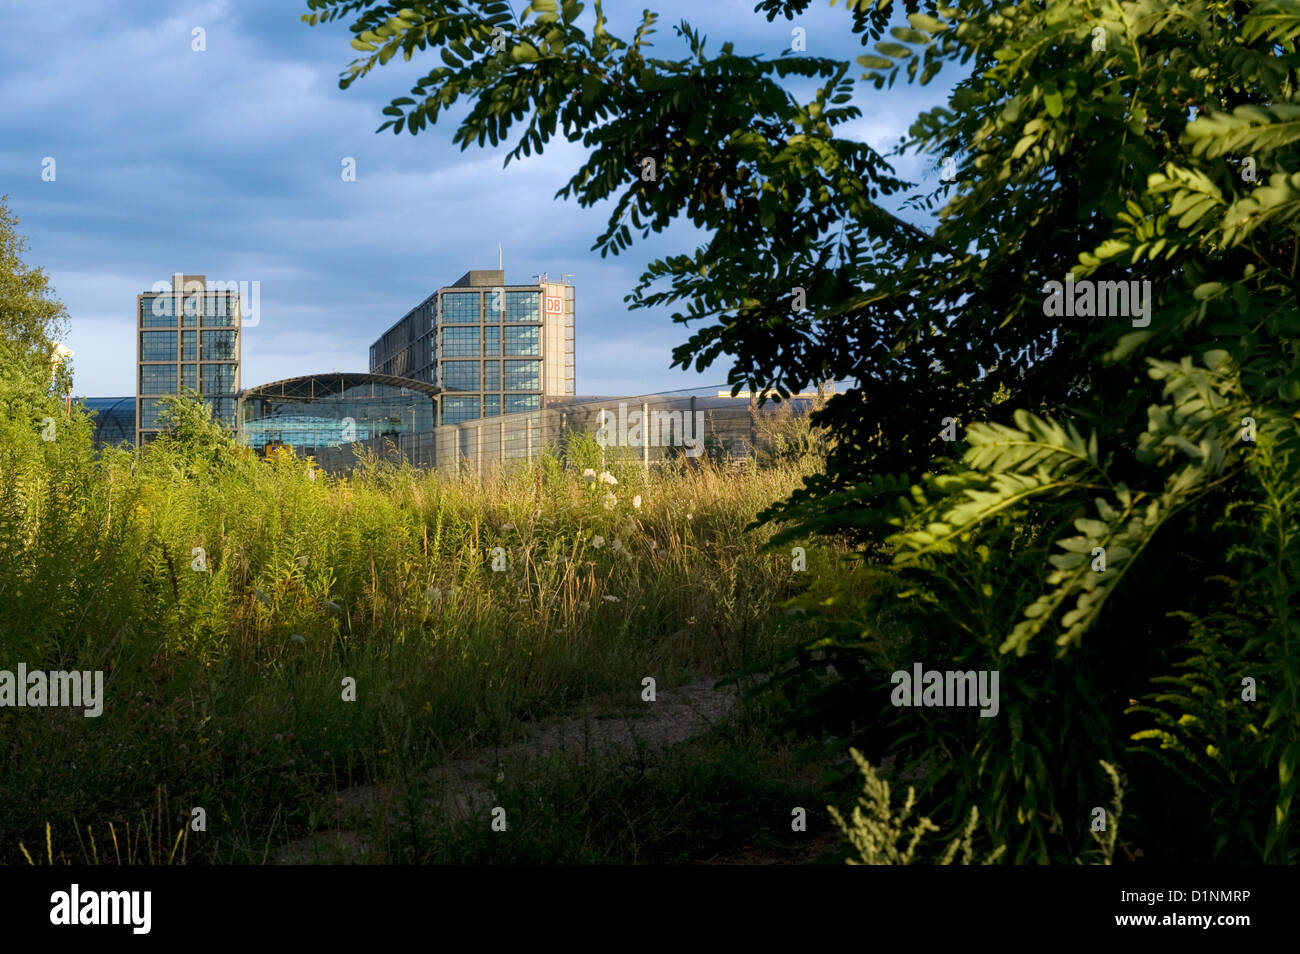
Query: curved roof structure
(114, 419)
(311, 387)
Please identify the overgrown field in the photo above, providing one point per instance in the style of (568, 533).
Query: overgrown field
(229, 600)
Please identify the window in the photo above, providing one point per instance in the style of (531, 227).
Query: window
(491, 341)
(457, 409)
(157, 311)
(190, 309)
(523, 375)
(491, 375)
(190, 376)
(157, 346)
(223, 410)
(522, 402)
(218, 345)
(189, 345)
(217, 378)
(524, 306)
(150, 408)
(526, 340)
(460, 307)
(491, 405)
(460, 342)
(219, 309)
(460, 375)
(158, 379)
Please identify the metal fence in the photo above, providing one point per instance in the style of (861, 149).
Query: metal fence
(649, 428)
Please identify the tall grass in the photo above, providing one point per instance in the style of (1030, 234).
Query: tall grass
(227, 599)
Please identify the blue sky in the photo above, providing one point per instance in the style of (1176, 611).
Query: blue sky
(227, 163)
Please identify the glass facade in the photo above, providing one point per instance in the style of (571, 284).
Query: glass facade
(217, 379)
(460, 342)
(218, 345)
(223, 409)
(457, 409)
(158, 379)
(462, 307)
(523, 375)
(523, 306)
(522, 402)
(157, 346)
(524, 340)
(329, 410)
(199, 350)
(150, 408)
(158, 312)
(114, 420)
(489, 324)
(460, 375)
(465, 329)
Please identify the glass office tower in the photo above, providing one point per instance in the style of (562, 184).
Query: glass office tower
(493, 348)
(188, 337)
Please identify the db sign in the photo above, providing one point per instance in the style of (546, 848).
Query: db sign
(554, 305)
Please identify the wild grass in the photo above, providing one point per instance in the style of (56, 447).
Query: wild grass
(228, 600)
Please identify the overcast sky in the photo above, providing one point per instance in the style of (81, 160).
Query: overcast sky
(227, 162)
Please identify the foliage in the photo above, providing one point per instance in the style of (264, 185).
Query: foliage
(32, 382)
(877, 833)
(1110, 142)
(226, 602)
(1109, 836)
(190, 428)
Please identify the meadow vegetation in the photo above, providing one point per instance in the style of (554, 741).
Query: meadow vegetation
(227, 597)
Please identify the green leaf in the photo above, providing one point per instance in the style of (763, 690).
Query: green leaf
(874, 62)
(524, 53)
(896, 50)
(927, 23)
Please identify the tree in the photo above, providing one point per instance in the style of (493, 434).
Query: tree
(1092, 144)
(32, 320)
(190, 430)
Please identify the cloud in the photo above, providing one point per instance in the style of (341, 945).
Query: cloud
(227, 163)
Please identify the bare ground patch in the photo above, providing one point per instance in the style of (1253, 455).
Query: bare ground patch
(462, 787)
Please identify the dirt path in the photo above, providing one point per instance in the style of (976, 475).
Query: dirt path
(462, 788)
